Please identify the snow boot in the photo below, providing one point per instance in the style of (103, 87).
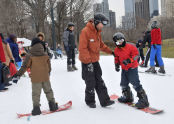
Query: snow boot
(143, 100)
(127, 96)
(161, 70)
(36, 111)
(69, 68)
(53, 106)
(92, 105)
(141, 63)
(151, 70)
(3, 90)
(74, 67)
(143, 66)
(110, 102)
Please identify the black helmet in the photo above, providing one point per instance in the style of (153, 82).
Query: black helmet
(71, 24)
(100, 18)
(154, 24)
(119, 37)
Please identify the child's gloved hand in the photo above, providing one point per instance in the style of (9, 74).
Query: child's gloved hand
(90, 67)
(117, 67)
(127, 61)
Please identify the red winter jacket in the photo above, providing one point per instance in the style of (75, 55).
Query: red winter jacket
(127, 52)
(2, 55)
(156, 36)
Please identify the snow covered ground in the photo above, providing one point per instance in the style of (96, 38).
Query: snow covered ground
(70, 86)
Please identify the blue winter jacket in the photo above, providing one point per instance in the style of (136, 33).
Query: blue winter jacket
(14, 49)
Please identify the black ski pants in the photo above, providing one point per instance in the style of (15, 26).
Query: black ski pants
(94, 82)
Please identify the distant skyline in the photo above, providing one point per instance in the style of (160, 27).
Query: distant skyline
(118, 7)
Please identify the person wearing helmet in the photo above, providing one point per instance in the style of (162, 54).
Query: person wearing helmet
(156, 49)
(89, 50)
(69, 45)
(126, 56)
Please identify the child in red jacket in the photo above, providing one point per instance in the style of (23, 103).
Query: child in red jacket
(127, 55)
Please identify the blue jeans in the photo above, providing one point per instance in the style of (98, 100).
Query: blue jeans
(156, 51)
(130, 76)
(19, 64)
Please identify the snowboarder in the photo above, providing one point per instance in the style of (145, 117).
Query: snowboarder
(70, 45)
(39, 63)
(156, 49)
(126, 55)
(140, 47)
(89, 48)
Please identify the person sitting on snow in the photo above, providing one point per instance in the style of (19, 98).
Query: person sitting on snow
(39, 63)
(126, 55)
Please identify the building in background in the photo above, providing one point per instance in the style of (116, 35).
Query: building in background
(154, 8)
(98, 8)
(142, 9)
(112, 19)
(167, 8)
(128, 21)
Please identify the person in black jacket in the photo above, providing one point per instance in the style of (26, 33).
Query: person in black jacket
(69, 45)
(147, 39)
(140, 47)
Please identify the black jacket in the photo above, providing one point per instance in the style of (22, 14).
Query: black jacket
(147, 39)
(69, 39)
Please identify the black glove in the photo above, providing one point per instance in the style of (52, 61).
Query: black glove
(12, 61)
(23, 54)
(117, 67)
(126, 62)
(154, 46)
(113, 54)
(15, 78)
(90, 67)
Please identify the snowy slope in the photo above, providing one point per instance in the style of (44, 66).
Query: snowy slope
(70, 86)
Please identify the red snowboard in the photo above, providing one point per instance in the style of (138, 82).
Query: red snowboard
(147, 110)
(45, 112)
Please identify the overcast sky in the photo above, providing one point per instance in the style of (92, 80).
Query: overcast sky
(118, 7)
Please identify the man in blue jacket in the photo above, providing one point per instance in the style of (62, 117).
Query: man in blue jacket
(15, 49)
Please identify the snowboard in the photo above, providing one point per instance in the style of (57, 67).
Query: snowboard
(147, 110)
(158, 74)
(45, 112)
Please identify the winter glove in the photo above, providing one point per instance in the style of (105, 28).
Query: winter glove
(23, 54)
(90, 67)
(15, 78)
(127, 61)
(117, 67)
(12, 61)
(113, 54)
(154, 46)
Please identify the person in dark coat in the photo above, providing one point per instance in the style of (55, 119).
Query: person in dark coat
(147, 39)
(69, 45)
(12, 40)
(140, 47)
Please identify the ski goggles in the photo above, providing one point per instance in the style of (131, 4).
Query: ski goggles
(119, 41)
(104, 22)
